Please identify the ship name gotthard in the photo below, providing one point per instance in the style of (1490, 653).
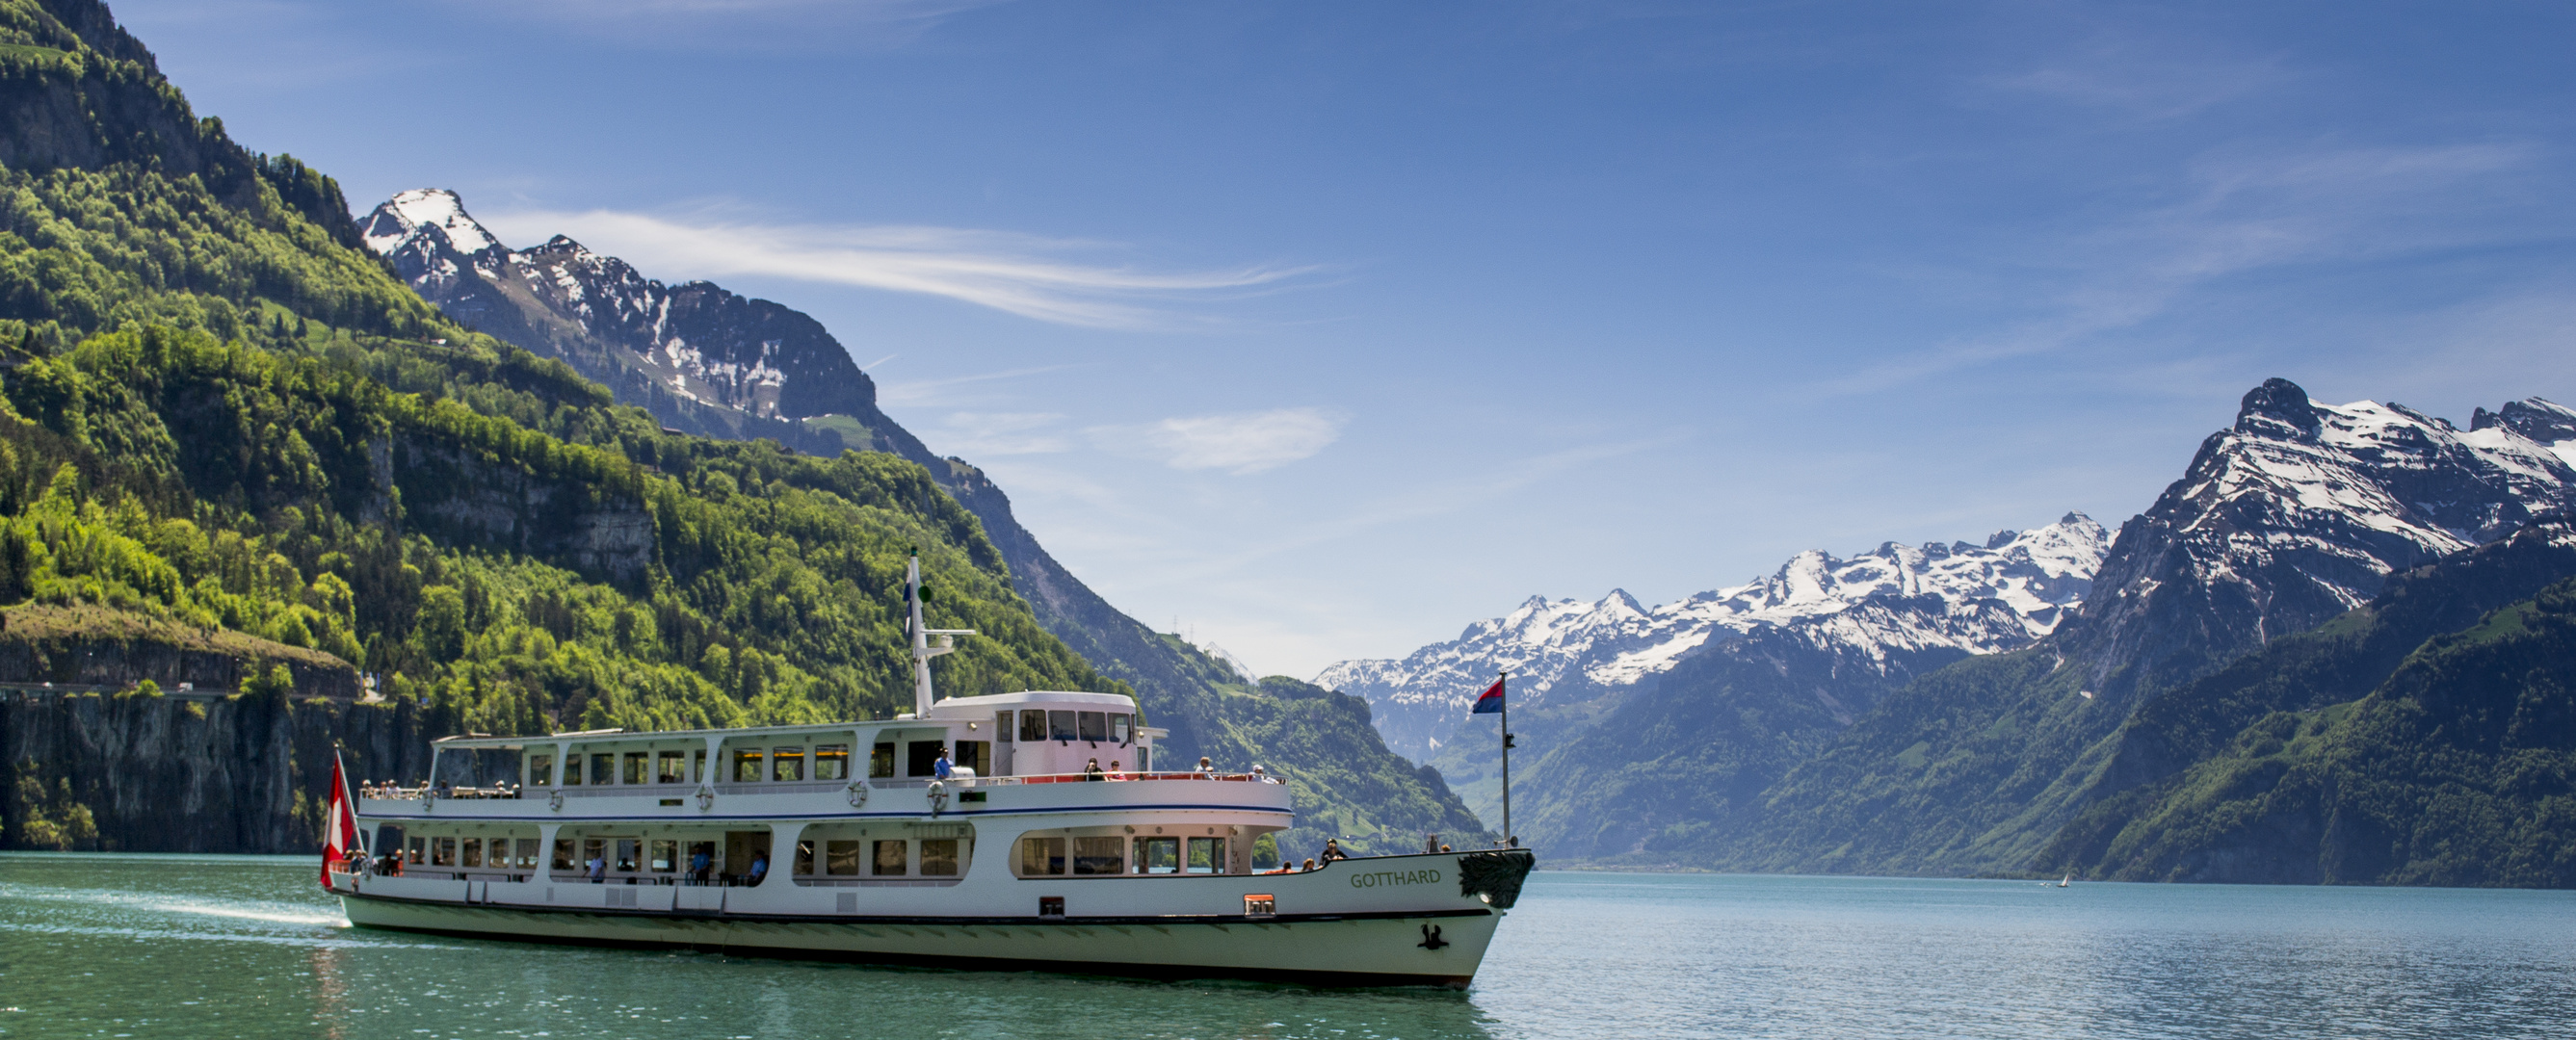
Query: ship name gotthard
(1395, 877)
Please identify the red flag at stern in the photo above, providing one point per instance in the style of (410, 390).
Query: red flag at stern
(340, 831)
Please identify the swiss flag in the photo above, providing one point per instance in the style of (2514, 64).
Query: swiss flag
(340, 832)
(1491, 700)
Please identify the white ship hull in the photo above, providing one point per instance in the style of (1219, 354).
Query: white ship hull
(1426, 946)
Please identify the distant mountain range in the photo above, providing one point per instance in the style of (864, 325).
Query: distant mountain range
(1883, 610)
(708, 361)
(1895, 724)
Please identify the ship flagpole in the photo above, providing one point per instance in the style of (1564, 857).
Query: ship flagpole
(1510, 840)
(915, 593)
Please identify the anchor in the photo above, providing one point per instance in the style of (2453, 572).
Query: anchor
(1431, 939)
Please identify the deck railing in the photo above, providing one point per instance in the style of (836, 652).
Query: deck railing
(401, 793)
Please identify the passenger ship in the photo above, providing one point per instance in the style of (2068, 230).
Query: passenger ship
(844, 841)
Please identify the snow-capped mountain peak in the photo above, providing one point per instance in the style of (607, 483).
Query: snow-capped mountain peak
(1978, 598)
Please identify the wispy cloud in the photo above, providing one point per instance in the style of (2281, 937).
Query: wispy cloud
(1243, 442)
(945, 391)
(1020, 274)
(736, 24)
(978, 434)
(2236, 212)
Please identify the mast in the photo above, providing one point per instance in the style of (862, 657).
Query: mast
(922, 648)
(1510, 840)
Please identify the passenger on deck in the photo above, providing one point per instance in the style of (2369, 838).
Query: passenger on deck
(759, 866)
(1310, 865)
(941, 768)
(1206, 768)
(1333, 850)
(699, 861)
(1092, 771)
(1114, 772)
(598, 870)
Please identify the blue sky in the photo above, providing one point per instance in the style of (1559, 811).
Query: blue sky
(1322, 330)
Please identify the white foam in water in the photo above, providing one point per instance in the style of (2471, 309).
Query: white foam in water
(247, 911)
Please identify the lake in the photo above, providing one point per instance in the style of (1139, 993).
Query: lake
(169, 946)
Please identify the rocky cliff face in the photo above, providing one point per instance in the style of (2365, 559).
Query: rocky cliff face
(167, 774)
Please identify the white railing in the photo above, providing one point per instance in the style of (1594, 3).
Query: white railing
(399, 793)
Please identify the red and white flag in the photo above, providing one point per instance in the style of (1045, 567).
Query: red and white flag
(340, 831)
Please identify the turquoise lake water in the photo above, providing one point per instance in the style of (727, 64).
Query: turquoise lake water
(166, 946)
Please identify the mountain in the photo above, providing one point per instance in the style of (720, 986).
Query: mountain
(1877, 610)
(2454, 769)
(223, 415)
(2299, 512)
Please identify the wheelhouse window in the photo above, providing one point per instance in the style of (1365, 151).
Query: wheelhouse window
(541, 770)
(1158, 855)
(746, 765)
(831, 761)
(1100, 855)
(1095, 726)
(1041, 857)
(1120, 727)
(890, 858)
(670, 767)
(924, 755)
(1033, 725)
(939, 857)
(787, 763)
(841, 858)
(1002, 726)
(976, 755)
(635, 763)
(881, 761)
(1060, 726)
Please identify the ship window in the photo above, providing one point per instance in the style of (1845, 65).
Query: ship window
(563, 854)
(1118, 725)
(1095, 728)
(788, 763)
(666, 856)
(670, 764)
(627, 850)
(417, 845)
(698, 766)
(881, 761)
(527, 853)
(1033, 725)
(636, 762)
(1207, 855)
(976, 755)
(746, 766)
(1060, 726)
(1158, 855)
(805, 857)
(473, 854)
(603, 768)
(442, 852)
(841, 857)
(1041, 856)
(541, 770)
(923, 758)
(1002, 726)
(891, 856)
(1101, 855)
(591, 849)
(831, 761)
(939, 857)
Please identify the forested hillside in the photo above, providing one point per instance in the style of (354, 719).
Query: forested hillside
(223, 419)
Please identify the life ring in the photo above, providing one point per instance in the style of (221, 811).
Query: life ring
(938, 793)
(858, 794)
(555, 801)
(706, 799)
